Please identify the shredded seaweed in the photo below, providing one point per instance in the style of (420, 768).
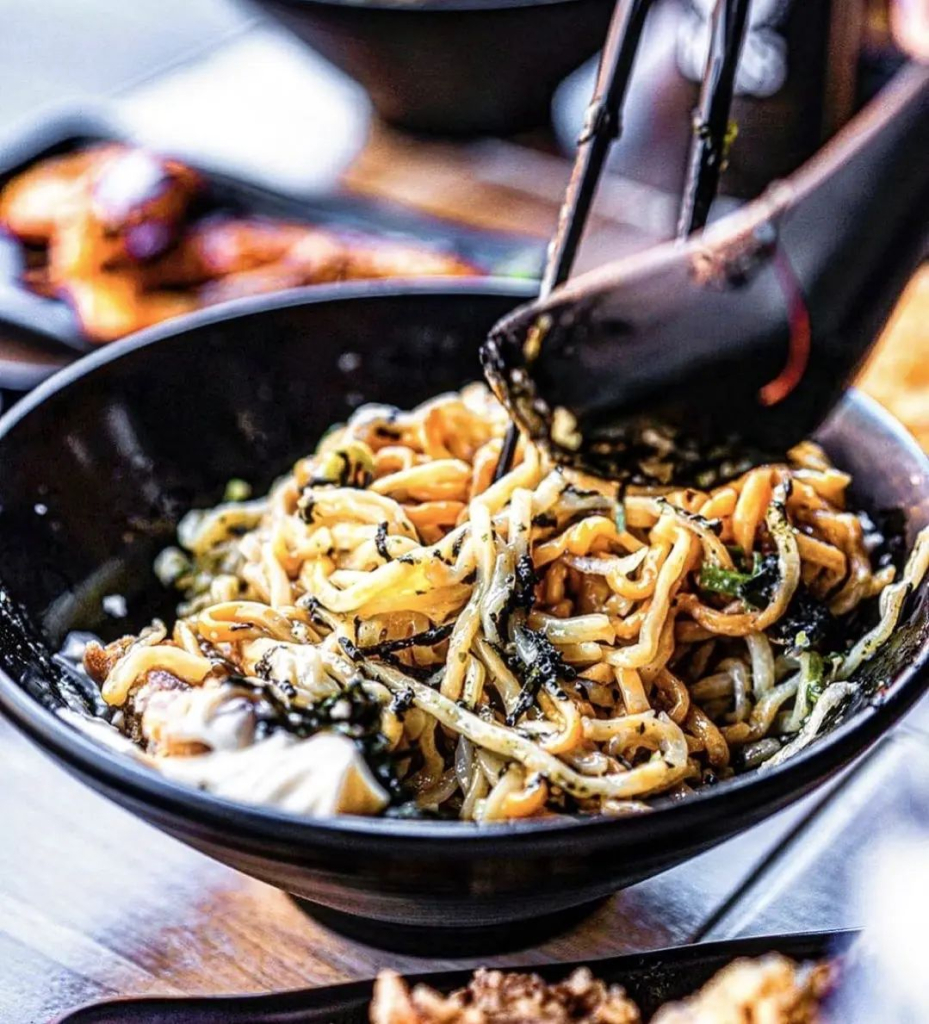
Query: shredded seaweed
(807, 624)
(759, 590)
(523, 592)
(380, 542)
(351, 650)
(541, 664)
(428, 638)
(353, 713)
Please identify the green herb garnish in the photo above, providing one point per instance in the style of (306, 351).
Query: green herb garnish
(237, 490)
(723, 581)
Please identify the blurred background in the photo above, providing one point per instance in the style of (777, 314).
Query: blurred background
(420, 119)
(221, 81)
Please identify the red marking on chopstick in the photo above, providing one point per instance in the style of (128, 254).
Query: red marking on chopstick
(798, 350)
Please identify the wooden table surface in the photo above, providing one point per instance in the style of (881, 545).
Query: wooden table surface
(94, 903)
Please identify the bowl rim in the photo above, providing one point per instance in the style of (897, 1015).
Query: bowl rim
(259, 825)
(438, 7)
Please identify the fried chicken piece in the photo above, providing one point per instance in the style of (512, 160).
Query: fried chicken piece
(316, 258)
(112, 218)
(220, 246)
(495, 997)
(277, 277)
(769, 990)
(372, 259)
(111, 305)
(157, 690)
(321, 257)
(142, 199)
(37, 201)
(99, 660)
(133, 204)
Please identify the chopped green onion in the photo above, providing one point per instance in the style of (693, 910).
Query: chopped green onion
(237, 490)
(723, 581)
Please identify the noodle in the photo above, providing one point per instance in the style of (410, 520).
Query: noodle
(500, 650)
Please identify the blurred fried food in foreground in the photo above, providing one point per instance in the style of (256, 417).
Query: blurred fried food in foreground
(770, 989)
(897, 374)
(120, 240)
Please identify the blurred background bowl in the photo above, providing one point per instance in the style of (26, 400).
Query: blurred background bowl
(99, 464)
(453, 67)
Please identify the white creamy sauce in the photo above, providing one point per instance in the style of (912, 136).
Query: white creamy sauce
(320, 776)
(316, 777)
(210, 716)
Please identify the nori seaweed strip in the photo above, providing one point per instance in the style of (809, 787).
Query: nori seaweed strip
(305, 505)
(418, 672)
(351, 651)
(319, 615)
(759, 588)
(807, 624)
(713, 525)
(380, 542)
(401, 702)
(353, 713)
(542, 667)
(889, 532)
(428, 638)
(521, 592)
(583, 492)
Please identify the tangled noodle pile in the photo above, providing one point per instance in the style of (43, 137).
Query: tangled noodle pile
(390, 630)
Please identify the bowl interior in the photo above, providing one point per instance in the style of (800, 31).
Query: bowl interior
(99, 464)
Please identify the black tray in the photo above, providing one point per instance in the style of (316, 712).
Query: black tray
(651, 979)
(34, 322)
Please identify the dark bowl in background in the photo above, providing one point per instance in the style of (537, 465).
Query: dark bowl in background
(99, 463)
(453, 67)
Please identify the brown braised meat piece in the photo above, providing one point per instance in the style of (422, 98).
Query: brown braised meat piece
(495, 997)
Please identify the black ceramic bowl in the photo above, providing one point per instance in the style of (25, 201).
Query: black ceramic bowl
(99, 463)
(453, 67)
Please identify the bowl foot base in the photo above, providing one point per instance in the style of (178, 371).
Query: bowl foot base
(464, 941)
